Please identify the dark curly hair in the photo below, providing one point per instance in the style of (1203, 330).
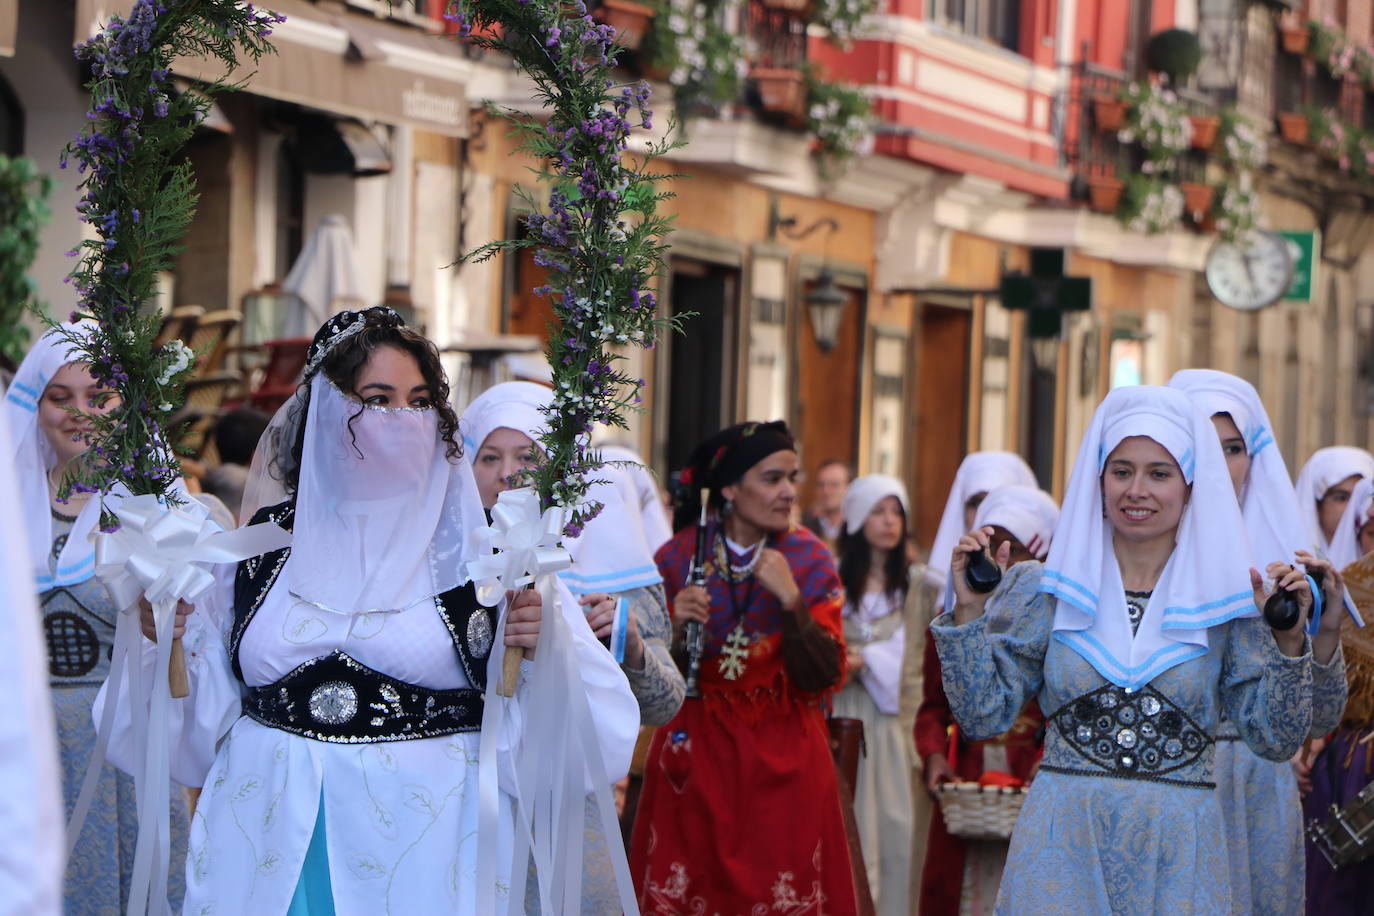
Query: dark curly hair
(342, 365)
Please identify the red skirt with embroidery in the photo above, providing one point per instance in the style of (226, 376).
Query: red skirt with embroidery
(740, 813)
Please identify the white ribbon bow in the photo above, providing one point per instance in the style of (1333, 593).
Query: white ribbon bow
(163, 552)
(520, 545)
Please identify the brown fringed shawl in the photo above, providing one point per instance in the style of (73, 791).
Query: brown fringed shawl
(1358, 645)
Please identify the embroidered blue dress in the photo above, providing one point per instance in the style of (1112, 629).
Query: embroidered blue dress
(1263, 813)
(1121, 818)
(79, 622)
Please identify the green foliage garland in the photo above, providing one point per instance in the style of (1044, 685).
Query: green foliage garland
(139, 197)
(599, 235)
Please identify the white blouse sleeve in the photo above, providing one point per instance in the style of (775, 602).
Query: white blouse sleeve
(198, 722)
(882, 670)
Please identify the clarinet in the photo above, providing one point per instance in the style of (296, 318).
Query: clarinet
(694, 632)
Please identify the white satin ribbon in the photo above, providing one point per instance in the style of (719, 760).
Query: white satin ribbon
(520, 545)
(557, 748)
(165, 553)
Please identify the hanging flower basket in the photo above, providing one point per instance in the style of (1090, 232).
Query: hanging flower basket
(1293, 127)
(630, 20)
(1294, 35)
(781, 91)
(1197, 198)
(1204, 131)
(1109, 113)
(1104, 192)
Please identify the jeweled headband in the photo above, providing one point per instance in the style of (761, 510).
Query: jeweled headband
(343, 326)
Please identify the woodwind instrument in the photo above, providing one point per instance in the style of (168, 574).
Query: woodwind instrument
(694, 631)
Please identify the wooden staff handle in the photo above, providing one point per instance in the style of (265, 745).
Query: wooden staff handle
(177, 683)
(510, 670)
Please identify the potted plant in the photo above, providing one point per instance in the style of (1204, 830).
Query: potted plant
(1294, 128)
(1104, 192)
(840, 117)
(1329, 47)
(791, 6)
(1158, 124)
(688, 47)
(782, 91)
(842, 19)
(1204, 131)
(1174, 52)
(1236, 209)
(1109, 113)
(1197, 199)
(1293, 33)
(1325, 132)
(630, 20)
(1241, 146)
(1150, 205)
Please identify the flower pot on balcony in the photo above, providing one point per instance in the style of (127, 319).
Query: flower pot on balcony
(630, 20)
(1293, 127)
(1204, 131)
(1197, 199)
(790, 6)
(1109, 113)
(1294, 35)
(781, 91)
(1104, 193)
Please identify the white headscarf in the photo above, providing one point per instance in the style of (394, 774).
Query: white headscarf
(611, 554)
(1326, 468)
(34, 457)
(1345, 543)
(1028, 513)
(1206, 580)
(863, 495)
(1273, 519)
(980, 472)
(658, 530)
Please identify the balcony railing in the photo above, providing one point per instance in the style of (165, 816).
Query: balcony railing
(778, 35)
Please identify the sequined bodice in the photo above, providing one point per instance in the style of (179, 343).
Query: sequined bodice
(78, 623)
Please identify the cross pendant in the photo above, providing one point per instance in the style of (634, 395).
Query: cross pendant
(736, 650)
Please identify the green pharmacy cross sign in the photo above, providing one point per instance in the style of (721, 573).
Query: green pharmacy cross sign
(1046, 293)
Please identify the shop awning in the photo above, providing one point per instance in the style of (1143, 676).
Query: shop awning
(344, 64)
(9, 26)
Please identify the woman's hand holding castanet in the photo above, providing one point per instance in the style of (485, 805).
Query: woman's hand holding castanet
(1291, 579)
(968, 604)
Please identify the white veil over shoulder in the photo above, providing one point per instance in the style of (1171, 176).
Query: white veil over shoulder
(33, 458)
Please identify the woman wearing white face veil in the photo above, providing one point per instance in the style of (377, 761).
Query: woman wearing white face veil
(337, 719)
(1138, 635)
(1259, 798)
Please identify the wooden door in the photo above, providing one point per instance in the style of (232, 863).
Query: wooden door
(528, 313)
(828, 386)
(939, 424)
(701, 360)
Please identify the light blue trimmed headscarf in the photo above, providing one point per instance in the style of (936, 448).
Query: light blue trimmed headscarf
(1206, 580)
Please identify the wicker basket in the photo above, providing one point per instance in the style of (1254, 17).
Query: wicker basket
(977, 812)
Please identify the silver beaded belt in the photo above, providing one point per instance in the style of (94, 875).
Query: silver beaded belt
(337, 698)
(1129, 734)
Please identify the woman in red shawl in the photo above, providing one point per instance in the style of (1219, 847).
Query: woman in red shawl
(740, 810)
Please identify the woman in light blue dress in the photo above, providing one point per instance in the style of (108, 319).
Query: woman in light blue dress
(1259, 798)
(47, 406)
(1138, 635)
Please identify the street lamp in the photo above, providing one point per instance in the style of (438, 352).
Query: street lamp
(826, 303)
(826, 300)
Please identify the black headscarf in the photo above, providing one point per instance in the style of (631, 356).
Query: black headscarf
(722, 460)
